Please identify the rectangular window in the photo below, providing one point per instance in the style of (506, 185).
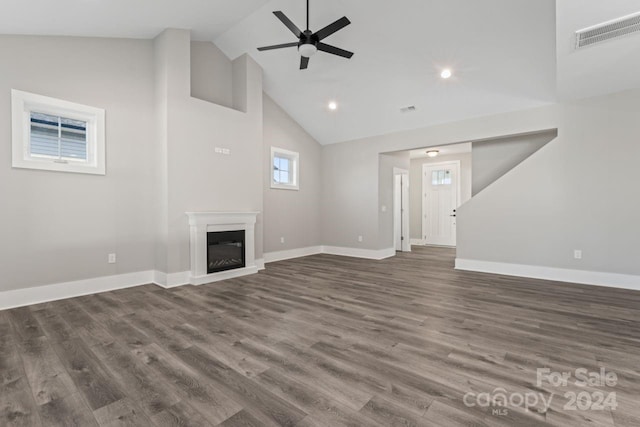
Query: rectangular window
(57, 137)
(441, 177)
(284, 166)
(52, 134)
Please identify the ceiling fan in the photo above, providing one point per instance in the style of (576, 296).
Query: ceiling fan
(309, 43)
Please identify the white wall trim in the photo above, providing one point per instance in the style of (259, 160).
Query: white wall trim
(39, 294)
(291, 253)
(223, 275)
(376, 254)
(171, 280)
(598, 278)
(417, 242)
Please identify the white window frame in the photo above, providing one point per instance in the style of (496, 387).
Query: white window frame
(294, 158)
(23, 103)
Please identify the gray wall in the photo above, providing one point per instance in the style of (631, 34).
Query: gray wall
(350, 170)
(198, 178)
(294, 215)
(415, 187)
(211, 74)
(59, 227)
(493, 158)
(577, 192)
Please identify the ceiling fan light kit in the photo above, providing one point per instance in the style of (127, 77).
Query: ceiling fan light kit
(309, 42)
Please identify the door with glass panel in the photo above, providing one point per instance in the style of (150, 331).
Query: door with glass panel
(440, 199)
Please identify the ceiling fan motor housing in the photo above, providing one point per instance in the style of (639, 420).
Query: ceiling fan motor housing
(308, 44)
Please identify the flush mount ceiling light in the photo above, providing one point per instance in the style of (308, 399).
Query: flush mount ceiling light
(433, 153)
(333, 106)
(446, 73)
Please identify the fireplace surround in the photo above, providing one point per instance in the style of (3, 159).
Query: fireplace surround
(228, 228)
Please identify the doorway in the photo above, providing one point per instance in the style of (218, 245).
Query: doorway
(401, 239)
(440, 200)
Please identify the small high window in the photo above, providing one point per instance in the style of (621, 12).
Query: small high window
(52, 134)
(284, 164)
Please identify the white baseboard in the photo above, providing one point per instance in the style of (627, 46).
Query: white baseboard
(39, 294)
(223, 275)
(171, 280)
(417, 242)
(598, 278)
(376, 254)
(291, 253)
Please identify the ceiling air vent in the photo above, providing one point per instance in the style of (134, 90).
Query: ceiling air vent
(409, 109)
(609, 30)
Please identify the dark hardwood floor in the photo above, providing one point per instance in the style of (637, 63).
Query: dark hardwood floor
(323, 341)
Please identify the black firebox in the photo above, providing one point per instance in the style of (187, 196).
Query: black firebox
(225, 251)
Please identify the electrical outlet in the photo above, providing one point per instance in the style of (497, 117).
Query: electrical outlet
(577, 254)
(112, 258)
(282, 240)
(359, 238)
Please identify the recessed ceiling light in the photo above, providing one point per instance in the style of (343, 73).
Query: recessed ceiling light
(433, 153)
(333, 105)
(446, 73)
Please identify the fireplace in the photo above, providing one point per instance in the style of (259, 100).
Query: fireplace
(236, 247)
(225, 250)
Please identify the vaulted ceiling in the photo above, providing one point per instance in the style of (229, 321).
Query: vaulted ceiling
(505, 54)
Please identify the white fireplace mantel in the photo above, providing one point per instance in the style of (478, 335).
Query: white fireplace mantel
(200, 223)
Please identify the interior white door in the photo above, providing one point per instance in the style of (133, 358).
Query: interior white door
(397, 212)
(440, 200)
(401, 212)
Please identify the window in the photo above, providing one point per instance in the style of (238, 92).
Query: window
(441, 177)
(52, 134)
(284, 169)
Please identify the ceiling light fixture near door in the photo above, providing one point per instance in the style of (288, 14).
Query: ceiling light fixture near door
(446, 73)
(308, 42)
(333, 106)
(433, 153)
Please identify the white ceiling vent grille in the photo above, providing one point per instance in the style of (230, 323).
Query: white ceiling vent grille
(409, 109)
(609, 30)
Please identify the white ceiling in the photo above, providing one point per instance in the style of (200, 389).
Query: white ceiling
(444, 150)
(142, 19)
(504, 53)
(596, 70)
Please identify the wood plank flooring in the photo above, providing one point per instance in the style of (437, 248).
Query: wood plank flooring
(321, 341)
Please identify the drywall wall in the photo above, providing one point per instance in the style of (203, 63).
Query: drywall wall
(493, 158)
(350, 170)
(59, 227)
(386, 165)
(199, 179)
(577, 192)
(415, 187)
(211, 74)
(292, 215)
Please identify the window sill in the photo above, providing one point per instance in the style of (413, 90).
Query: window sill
(285, 187)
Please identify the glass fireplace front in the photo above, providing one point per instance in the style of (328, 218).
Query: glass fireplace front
(225, 251)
